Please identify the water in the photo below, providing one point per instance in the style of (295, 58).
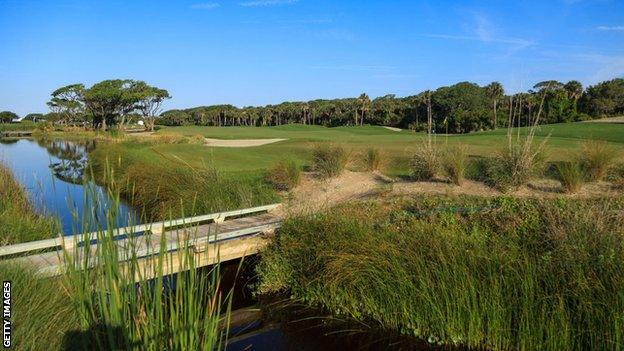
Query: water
(52, 171)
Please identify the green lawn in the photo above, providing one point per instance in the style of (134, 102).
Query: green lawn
(563, 140)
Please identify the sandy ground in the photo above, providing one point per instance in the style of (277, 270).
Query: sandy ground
(313, 194)
(240, 142)
(394, 129)
(619, 119)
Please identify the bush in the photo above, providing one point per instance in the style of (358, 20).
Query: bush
(454, 162)
(373, 159)
(571, 176)
(595, 158)
(284, 175)
(425, 163)
(329, 160)
(515, 165)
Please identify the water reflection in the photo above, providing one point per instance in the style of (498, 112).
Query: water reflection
(54, 172)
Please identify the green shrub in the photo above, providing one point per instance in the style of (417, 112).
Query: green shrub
(454, 163)
(425, 162)
(515, 165)
(571, 176)
(595, 158)
(373, 159)
(329, 160)
(284, 176)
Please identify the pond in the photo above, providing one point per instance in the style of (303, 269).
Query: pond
(53, 173)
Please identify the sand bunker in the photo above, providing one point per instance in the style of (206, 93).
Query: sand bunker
(394, 129)
(240, 142)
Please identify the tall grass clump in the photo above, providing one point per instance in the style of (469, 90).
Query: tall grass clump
(284, 175)
(454, 163)
(18, 220)
(425, 162)
(329, 160)
(373, 159)
(41, 309)
(571, 176)
(595, 158)
(125, 297)
(498, 274)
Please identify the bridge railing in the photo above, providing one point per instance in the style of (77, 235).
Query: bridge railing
(77, 239)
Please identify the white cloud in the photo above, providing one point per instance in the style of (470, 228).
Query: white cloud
(611, 28)
(259, 3)
(205, 6)
(514, 41)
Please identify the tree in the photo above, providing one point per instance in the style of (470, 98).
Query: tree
(67, 101)
(149, 102)
(574, 89)
(35, 117)
(110, 99)
(604, 99)
(495, 92)
(364, 107)
(7, 116)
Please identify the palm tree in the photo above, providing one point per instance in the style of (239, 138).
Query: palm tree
(364, 101)
(574, 89)
(495, 91)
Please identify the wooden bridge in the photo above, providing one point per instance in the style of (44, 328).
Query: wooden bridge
(209, 239)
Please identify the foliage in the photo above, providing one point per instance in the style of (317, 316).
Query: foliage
(571, 176)
(329, 160)
(373, 159)
(7, 116)
(595, 159)
(284, 175)
(501, 274)
(454, 163)
(41, 308)
(18, 220)
(425, 162)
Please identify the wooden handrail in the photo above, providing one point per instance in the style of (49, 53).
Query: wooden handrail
(79, 238)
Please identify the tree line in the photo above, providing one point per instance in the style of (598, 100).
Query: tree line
(459, 108)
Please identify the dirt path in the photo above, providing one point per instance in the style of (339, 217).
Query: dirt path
(313, 194)
(240, 142)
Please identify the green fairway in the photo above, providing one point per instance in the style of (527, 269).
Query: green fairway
(563, 140)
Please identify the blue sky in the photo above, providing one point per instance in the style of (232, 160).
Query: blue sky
(251, 52)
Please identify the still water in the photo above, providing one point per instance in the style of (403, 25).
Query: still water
(53, 173)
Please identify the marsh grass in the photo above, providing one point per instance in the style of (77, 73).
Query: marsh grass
(500, 274)
(454, 163)
(373, 159)
(284, 176)
(425, 161)
(595, 158)
(329, 160)
(571, 176)
(18, 220)
(165, 190)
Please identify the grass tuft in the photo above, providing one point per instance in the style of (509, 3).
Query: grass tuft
(595, 158)
(284, 176)
(329, 160)
(425, 162)
(571, 176)
(373, 159)
(454, 164)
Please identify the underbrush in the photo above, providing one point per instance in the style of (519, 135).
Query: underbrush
(499, 273)
(18, 220)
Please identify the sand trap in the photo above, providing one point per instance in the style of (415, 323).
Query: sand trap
(619, 119)
(240, 142)
(394, 129)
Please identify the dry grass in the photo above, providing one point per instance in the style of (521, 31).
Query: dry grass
(595, 158)
(329, 160)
